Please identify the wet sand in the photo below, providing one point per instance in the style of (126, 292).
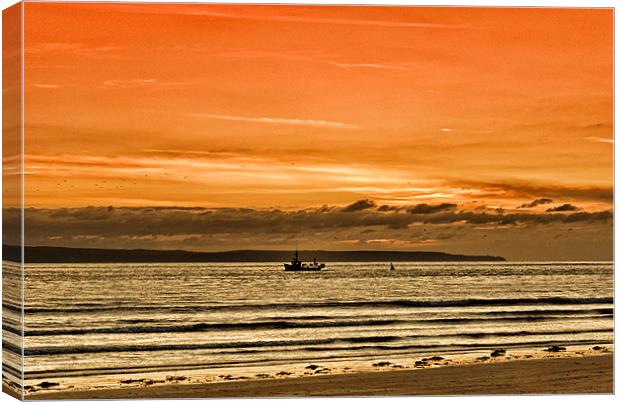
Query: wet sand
(574, 375)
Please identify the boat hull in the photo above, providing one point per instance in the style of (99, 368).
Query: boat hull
(290, 267)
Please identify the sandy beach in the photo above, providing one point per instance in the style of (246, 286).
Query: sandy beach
(544, 374)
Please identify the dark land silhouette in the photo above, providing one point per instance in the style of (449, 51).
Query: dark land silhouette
(41, 254)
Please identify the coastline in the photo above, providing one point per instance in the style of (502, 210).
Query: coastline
(576, 370)
(67, 255)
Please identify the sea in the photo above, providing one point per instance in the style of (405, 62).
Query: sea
(96, 320)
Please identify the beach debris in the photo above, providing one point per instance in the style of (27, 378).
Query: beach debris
(597, 347)
(175, 378)
(555, 348)
(419, 363)
(436, 358)
(483, 358)
(313, 367)
(397, 366)
(498, 352)
(48, 384)
(132, 381)
(30, 388)
(283, 373)
(382, 364)
(229, 377)
(263, 375)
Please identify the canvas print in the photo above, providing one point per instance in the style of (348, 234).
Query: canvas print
(206, 200)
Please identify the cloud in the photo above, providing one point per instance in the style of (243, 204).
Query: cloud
(536, 202)
(359, 206)
(519, 189)
(46, 86)
(518, 236)
(600, 139)
(219, 12)
(312, 58)
(430, 209)
(227, 227)
(563, 208)
(279, 121)
(339, 21)
(379, 66)
(70, 48)
(116, 84)
(52, 47)
(143, 83)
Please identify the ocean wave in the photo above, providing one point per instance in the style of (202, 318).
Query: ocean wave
(521, 316)
(331, 304)
(368, 341)
(273, 359)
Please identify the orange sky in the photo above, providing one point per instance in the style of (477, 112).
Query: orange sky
(218, 105)
(295, 107)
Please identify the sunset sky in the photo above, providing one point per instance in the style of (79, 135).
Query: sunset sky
(326, 126)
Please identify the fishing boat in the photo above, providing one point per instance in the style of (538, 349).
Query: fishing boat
(297, 265)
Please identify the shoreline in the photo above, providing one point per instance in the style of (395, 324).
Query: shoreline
(571, 371)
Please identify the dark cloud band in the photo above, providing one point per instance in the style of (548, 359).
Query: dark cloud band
(147, 221)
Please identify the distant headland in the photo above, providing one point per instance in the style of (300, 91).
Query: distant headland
(43, 254)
